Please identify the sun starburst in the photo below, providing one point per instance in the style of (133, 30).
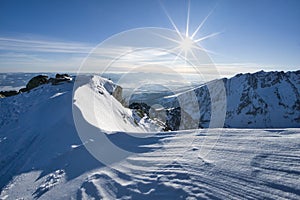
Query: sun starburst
(186, 42)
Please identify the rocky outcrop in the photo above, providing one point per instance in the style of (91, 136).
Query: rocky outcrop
(117, 93)
(8, 93)
(263, 99)
(60, 78)
(37, 81)
(141, 108)
(170, 118)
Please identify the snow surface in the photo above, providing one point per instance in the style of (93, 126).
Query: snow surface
(42, 156)
(99, 108)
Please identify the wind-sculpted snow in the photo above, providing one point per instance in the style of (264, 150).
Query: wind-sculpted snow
(43, 157)
(243, 164)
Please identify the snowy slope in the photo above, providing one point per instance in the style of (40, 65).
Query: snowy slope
(94, 97)
(38, 126)
(42, 156)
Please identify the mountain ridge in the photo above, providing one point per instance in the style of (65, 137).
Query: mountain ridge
(258, 100)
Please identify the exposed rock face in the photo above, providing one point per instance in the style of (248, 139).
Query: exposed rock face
(8, 93)
(36, 81)
(170, 118)
(22, 90)
(140, 106)
(259, 100)
(117, 93)
(263, 99)
(60, 78)
(173, 119)
(63, 76)
(112, 88)
(141, 109)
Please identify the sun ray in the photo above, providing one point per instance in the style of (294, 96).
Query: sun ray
(177, 56)
(206, 50)
(168, 38)
(170, 19)
(175, 48)
(206, 37)
(202, 23)
(185, 44)
(192, 52)
(196, 46)
(188, 19)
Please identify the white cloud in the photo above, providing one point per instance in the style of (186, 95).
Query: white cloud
(29, 45)
(24, 55)
(20, 54)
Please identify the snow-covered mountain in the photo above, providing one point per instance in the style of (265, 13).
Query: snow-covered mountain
(37, 126)
(42, 156)
(259, 100)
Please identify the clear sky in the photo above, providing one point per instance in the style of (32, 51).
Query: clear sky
(55, 35)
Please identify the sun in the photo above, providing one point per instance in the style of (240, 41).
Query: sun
(187, 42)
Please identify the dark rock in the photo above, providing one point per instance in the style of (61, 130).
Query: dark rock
(9, 93)
(37, 81)
(22, 90)
(142, 107)
(60, 78)
(173, 119)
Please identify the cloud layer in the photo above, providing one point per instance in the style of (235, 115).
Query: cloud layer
(44, 55)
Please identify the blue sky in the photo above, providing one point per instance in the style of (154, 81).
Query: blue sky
(54, 35)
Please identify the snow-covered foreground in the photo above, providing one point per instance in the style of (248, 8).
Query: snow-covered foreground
(243, 164)
(43, 157)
